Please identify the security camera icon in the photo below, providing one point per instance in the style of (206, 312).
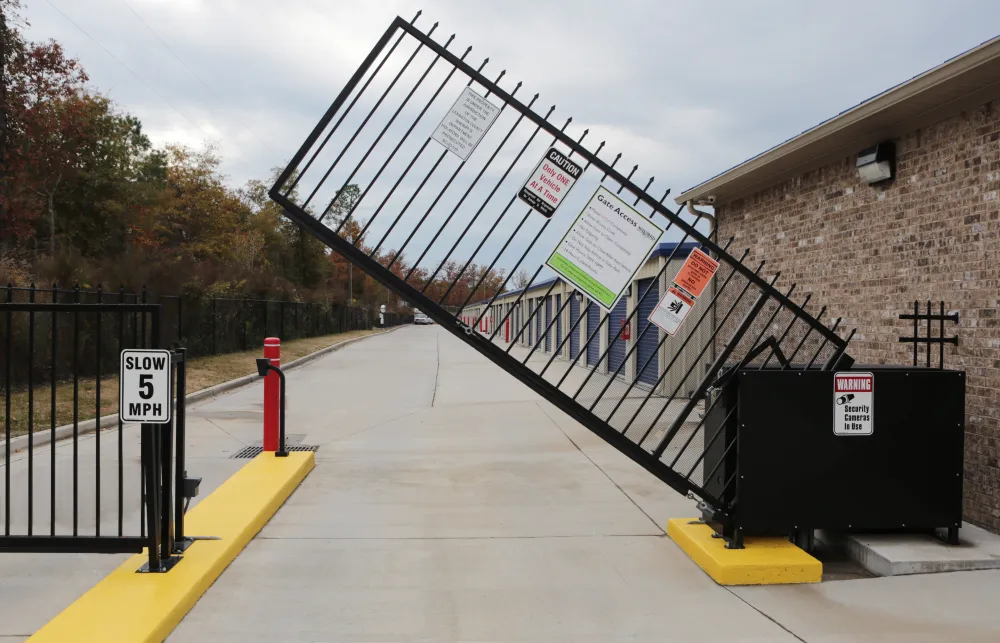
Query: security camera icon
(844, 399)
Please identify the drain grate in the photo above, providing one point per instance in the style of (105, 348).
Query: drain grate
(254, 451)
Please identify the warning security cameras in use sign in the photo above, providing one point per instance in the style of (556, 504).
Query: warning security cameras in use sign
(144, 389)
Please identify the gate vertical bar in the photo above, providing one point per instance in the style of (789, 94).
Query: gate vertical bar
(6, 402)
(181, 457)
(31, 412)
(52, 416)
(97, 421)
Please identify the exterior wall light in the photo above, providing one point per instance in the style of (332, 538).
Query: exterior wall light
(877, 163)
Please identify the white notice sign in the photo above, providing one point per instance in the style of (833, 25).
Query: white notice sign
(466, 123)
(604, 248)
(144, 389)
(672, 310)
(853, 403)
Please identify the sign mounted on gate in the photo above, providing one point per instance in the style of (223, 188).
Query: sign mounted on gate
(696, 272)
(144, 386)
(550, 182)
(853, 403)
(466, 123)
(672, 309)
(604, 248)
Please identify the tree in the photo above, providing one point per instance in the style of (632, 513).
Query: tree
(521, 279)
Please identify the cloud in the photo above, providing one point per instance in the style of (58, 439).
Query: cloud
(684, 89)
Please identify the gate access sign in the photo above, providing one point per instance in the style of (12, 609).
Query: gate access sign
(853, 403)
(144, 389)
(604, 248)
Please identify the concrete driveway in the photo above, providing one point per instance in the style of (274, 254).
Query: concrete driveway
(450, 503)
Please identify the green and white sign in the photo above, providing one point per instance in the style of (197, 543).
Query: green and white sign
(604, 248)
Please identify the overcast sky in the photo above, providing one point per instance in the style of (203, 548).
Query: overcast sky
(686, 89)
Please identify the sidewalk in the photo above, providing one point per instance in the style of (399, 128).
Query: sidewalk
(450, 503)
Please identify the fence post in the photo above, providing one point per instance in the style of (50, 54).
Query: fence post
(180, 429)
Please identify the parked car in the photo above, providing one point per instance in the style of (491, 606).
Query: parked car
(420, 318)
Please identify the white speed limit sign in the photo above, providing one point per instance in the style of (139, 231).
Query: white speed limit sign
(144, 390)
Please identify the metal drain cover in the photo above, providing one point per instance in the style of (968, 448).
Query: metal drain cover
(254, 451)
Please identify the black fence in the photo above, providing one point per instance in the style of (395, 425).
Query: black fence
(203, 325)
(120, 489)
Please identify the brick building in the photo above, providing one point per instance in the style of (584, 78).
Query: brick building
(867, 251)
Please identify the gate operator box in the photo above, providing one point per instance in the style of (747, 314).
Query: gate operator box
(872, 448)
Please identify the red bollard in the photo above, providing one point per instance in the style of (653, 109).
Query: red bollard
(272, 391)
(506, 330)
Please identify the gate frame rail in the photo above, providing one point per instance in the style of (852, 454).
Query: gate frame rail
(467, 333)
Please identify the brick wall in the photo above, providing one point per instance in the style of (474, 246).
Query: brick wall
(868, 251)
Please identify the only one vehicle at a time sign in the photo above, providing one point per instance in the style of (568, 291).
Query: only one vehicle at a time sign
(144, 393)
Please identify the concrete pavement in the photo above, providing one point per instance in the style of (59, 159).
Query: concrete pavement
(450, 503)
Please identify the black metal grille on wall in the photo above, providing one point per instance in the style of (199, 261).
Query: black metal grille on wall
(433, 223)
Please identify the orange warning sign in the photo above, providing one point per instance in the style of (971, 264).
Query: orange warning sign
(696, 272)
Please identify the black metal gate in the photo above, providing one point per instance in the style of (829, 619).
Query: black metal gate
(447, 232)
(97, 486)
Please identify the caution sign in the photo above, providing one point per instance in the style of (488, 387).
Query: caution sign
(696, 272)
(551, 181)
(672, 310)
(144, 387)
(853, 403)
(466, 123)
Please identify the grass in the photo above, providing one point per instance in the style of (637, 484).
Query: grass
(202, 372)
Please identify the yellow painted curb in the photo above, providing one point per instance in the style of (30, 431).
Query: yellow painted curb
(764, 561)
(127, 607)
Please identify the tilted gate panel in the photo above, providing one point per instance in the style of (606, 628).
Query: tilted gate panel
(383, 180)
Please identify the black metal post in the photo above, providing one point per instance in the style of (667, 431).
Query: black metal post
(281, 452)
(180, 459)
(151, 479)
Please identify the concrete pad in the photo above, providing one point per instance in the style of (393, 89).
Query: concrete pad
(900, 554)
(916, 609)
(492, 589)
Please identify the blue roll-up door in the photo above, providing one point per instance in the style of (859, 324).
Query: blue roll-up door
(648, 342)
(558, 322)
(574, 335)
(593, 321)
(616, 349)
(548, 322)
(531, 334)
(538, 321)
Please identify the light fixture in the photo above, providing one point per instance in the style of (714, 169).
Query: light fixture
(877, 163)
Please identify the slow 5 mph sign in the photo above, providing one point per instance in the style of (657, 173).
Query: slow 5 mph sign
(144, 391)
